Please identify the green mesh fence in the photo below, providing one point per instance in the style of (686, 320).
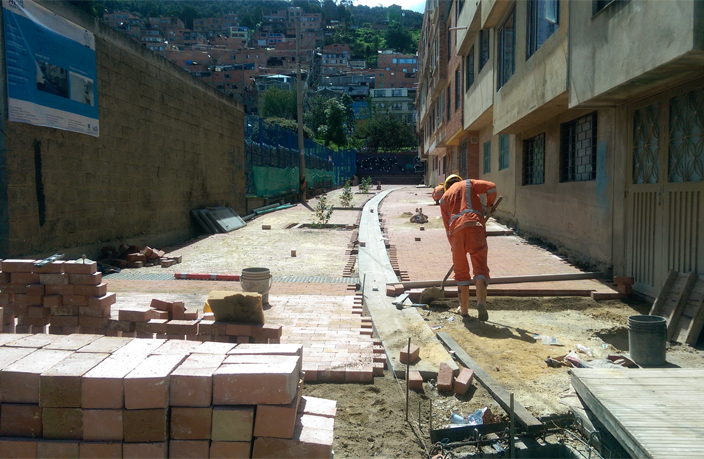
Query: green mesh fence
(275, 181)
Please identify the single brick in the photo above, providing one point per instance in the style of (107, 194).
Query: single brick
(58, 449)
(60, 289)
(125, 326)
(265, 359)
(213, 348)
(191, 383)
(91, 290)
(132, 257)
(445, 378)
(102, 425)
(230, 449)
(74, 342)
(75, 300)
(278, 421)
(78, 267)
(105, 344)
(102, 301)
(145, 425)
(182, 327)
(147, 386)
(191, 423)
(18, 266)
(19, 381)
(35, 289)
(415, 380)
(317, 406)
(212, 328)
(276, 383)
(623, 280)
(161, 305)
(232, 423)
(29, 300)
(152, 326)
(177, 311)
(54, 279)
(62, 423)
(136, 315)
(155, 450)
(186, 449)
(24, 278)
(463, 381)
(37, 312)
(99, 312)
(411, 357)
(51, 268)
(60, 385)
(10, 355)
(85, 279)
(24, 448)
(20, 420)
(307, 442)
(267, 349)
(93, 322)
(13, 288)
(64, 321)
(625, 289)
(176, 347)
(50, 301)
(100, 450)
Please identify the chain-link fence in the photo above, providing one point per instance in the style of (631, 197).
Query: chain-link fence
(272, 161)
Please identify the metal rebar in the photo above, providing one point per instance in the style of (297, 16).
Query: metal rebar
(408, 371)
(512, 442)
(430, 415)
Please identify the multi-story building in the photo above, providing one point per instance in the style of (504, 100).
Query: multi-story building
(396, 70)
(335, 58)
(118, 19)
(400, 102)
(579, 108)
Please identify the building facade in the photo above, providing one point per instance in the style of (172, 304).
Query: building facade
(589, 123)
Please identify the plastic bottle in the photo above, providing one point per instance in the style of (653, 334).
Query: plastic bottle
(457, 419)
(584, 349)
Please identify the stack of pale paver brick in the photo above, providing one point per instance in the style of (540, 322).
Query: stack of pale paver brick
(97, 396)
(63, 295)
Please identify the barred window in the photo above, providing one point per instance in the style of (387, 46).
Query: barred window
(458, 85)
(484, 45)
(487, 157)
(578, 149)
(469, 69)
(504, 151)
(534, 160)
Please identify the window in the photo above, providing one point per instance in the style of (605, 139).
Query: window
(458, 86)
(599, 5)
(379, 93)
(483, 48)
(685, 162)
(395, 93)
(448, 103)
(449, 45)
(487, 157)
(411, 106)
(578, 149)
(506, 49)
(469, 69)
(504, 151)
(543, 20)
(534, 160)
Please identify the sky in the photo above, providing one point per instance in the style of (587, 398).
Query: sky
(414, 5)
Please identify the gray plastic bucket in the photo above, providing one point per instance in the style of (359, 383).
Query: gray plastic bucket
(257, 280)
(647, 337)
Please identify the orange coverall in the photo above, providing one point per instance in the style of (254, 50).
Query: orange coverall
(463, 216)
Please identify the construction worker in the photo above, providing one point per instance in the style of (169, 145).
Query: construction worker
(463, 216)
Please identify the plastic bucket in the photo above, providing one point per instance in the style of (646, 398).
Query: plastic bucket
(257, 280)
(647, 337)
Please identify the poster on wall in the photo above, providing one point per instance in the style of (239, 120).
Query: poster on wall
(51, 69)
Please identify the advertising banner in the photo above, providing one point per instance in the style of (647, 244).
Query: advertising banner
(51, 69)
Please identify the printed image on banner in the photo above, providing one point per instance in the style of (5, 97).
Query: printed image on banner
(51, 69)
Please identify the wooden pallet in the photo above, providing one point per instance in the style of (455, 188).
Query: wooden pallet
(680, 302)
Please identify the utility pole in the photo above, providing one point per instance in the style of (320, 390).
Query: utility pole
(299, 92)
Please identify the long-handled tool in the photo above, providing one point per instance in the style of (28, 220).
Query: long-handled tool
(431, 294)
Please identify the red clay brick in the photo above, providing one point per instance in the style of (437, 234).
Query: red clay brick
(64, 321)
(234, 423)
(415, 380)
(85, 279)
(13, 288)
(62, 423)
(75, 300)
(93, 322)
(53, 267)
(363, 374)
(100, 450)
(101, 301)
(54, 279)
(60, 385)
(35, 289)
(99, 312)
(78, 267)
(125, 326)
(277, 421)
(20, 420)
(264, 359)
(317, 406)
(230, 449)
(161, 305)
(37, 312)
(154, 450)
(59, 289)
(58, 449)
(445, 378)
(17, 266)
(52, 301)
(463, 381)
(191, 423)
(213, 348)
(182, 327)
(268, 349)
(24, 278)
(91, 290)
(20, 448)
(307, 442)
(102, 425)
(19, 381)
(622, 280)
(196, 449)
(176, 347)
(29, 300)
(136, 315)
(191, 383)
(276, 382)
(105, 344)
(9, 355)
(212, 328)
(145, 425)
(147, 386)
(152, 326)
(177, 311)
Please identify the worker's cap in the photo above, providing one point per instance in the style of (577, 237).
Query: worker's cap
(450, 180)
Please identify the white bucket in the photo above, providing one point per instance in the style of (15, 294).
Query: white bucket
(257, 280)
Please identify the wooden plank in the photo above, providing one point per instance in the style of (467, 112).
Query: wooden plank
(695, 327)
(500, 394)
(677, 312)
(664, 292)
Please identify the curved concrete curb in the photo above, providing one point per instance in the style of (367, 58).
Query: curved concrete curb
(394, 327)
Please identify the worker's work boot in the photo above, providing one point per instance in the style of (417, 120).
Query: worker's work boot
(482, 313)
(463, 310)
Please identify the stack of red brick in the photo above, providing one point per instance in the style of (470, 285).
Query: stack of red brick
(130, 256)
(93, 396)
(63, 295)
(170, 320)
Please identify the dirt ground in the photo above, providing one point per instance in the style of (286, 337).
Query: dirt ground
(371, 418)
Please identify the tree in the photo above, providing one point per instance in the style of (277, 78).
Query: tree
(279, 103)
(385, 132)
(400, 39)
(188, 14)
(330, 119)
